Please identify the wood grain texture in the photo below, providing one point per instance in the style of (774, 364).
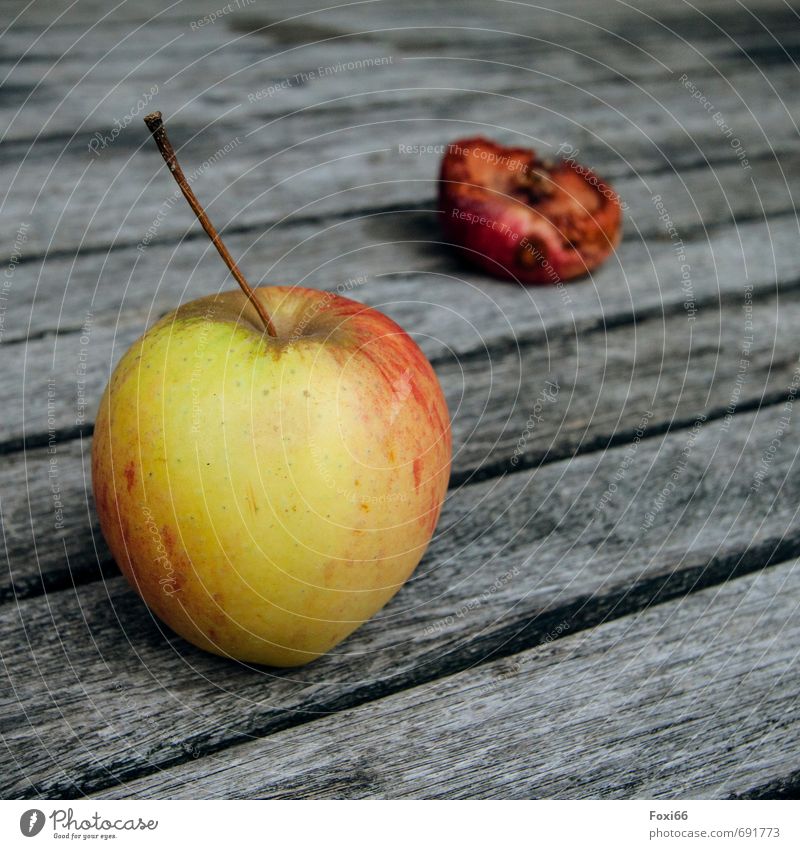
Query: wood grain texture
(422, 13)
(212, 67)
(205, 77)
(691, 699)
(97, 693)
(720, 218)
(255, 170)
(605, 39)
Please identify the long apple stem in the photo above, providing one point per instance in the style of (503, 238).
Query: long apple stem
(156, 126)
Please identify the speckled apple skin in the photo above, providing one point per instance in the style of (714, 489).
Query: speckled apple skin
(520, 218)
(266, 496)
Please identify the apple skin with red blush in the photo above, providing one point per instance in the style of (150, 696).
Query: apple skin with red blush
(519, 217)
(266, 495)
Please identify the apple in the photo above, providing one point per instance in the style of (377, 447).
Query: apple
(269, 465)
(523, 218)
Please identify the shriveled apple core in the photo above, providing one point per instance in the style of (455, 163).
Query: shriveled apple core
(522, 218)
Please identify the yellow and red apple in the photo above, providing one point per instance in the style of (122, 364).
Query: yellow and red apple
(266, 495)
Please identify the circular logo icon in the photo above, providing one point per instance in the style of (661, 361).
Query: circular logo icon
(31, 822)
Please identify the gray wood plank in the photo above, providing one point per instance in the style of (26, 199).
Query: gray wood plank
(696, 698)
(67, 87)
(50, 534)
(630, 43)
(507, 415)
(710, 209)
(97, 694)
(423, 13)
(266, 167)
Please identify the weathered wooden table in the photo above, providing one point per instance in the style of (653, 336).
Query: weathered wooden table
(610, 605)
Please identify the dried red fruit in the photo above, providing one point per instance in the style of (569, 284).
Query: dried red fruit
(522, 218)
